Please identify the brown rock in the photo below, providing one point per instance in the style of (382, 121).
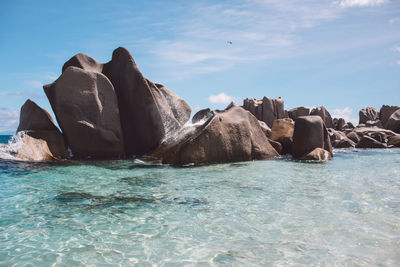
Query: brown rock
(385, 113)
(353, 136)
(86, 108)
(34, 118)
(276, 145)
(272, 109)
(309, 133)
(394, 141)
(254, 106)
(345, 143)
(282, 132)
(318, 154)
(324, 114)
(369, 142)
(203, 114)
(265, 128)
(294, 113)
(43, 146)
(368, 114)
(394, 122)
(229, 136)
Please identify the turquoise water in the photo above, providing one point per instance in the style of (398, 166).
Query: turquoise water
(275, 212)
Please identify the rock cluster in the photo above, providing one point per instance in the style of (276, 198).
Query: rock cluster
(112, 111)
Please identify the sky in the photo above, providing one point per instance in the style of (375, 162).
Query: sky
(342, 54)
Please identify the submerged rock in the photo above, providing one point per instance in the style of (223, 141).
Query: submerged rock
(319, 154)
(230, 135)
(309, 133)
(87, 111)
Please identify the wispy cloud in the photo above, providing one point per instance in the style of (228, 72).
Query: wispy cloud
(9, 120)
(346, 113)
(394, 20)
(396, 48)
(221, 98)
(361, 3)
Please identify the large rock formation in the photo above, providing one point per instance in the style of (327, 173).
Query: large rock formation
(148, 111)
(385, 113)
(309, 133)
(230, 135)
(266, 110)
(324, 114)
(368, 114)
(393, 122)
(42, 139)
(294, 113)
(369, 142)
(86, 109)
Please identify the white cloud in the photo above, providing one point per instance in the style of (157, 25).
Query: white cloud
(221, 98)
(394, 20)
(398, 62)
(346, 113)
(9, 121)
(396, 48)
(34, 84)
(361, 3)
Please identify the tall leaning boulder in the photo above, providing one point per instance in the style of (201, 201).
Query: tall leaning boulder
(324, 114)
(385, 112)
(393, 122)
(310, 133)
(149, 112)
(86, 108)
(230, 135)
(42, 140)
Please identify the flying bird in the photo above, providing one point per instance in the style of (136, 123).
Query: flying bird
(229, 42)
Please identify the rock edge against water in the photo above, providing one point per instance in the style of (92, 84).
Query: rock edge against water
(112, 111)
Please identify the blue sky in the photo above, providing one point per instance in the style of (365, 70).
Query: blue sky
(343, 54)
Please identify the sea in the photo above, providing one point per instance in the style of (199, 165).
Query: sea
(279, 212)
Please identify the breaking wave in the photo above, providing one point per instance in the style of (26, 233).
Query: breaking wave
(10, 150)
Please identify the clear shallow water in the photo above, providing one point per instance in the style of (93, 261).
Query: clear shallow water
(282, 212)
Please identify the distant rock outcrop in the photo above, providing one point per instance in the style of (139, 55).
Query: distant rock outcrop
(230, 135)
(294, 113)
(385, 113)
(393, 122)
(309, 133)
(266, 110)
(368, 114)
(324, 114)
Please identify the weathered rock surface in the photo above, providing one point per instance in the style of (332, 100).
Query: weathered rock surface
(353, 136)
(266, 110)
(276, 145)
(309, 133)
(294, 113)
(86, 108)
(394, 141)
(324, 114)
(344, 143)
(393, 122)
(203, 114)
(282, 132)
(369, 142)
(265, 128)
(368, 114)
(43, 146)
(229, 136)
(318, 154)
(338, 124)
(34, 118)
(385, 113)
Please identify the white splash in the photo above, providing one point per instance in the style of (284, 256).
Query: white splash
(9, 151)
